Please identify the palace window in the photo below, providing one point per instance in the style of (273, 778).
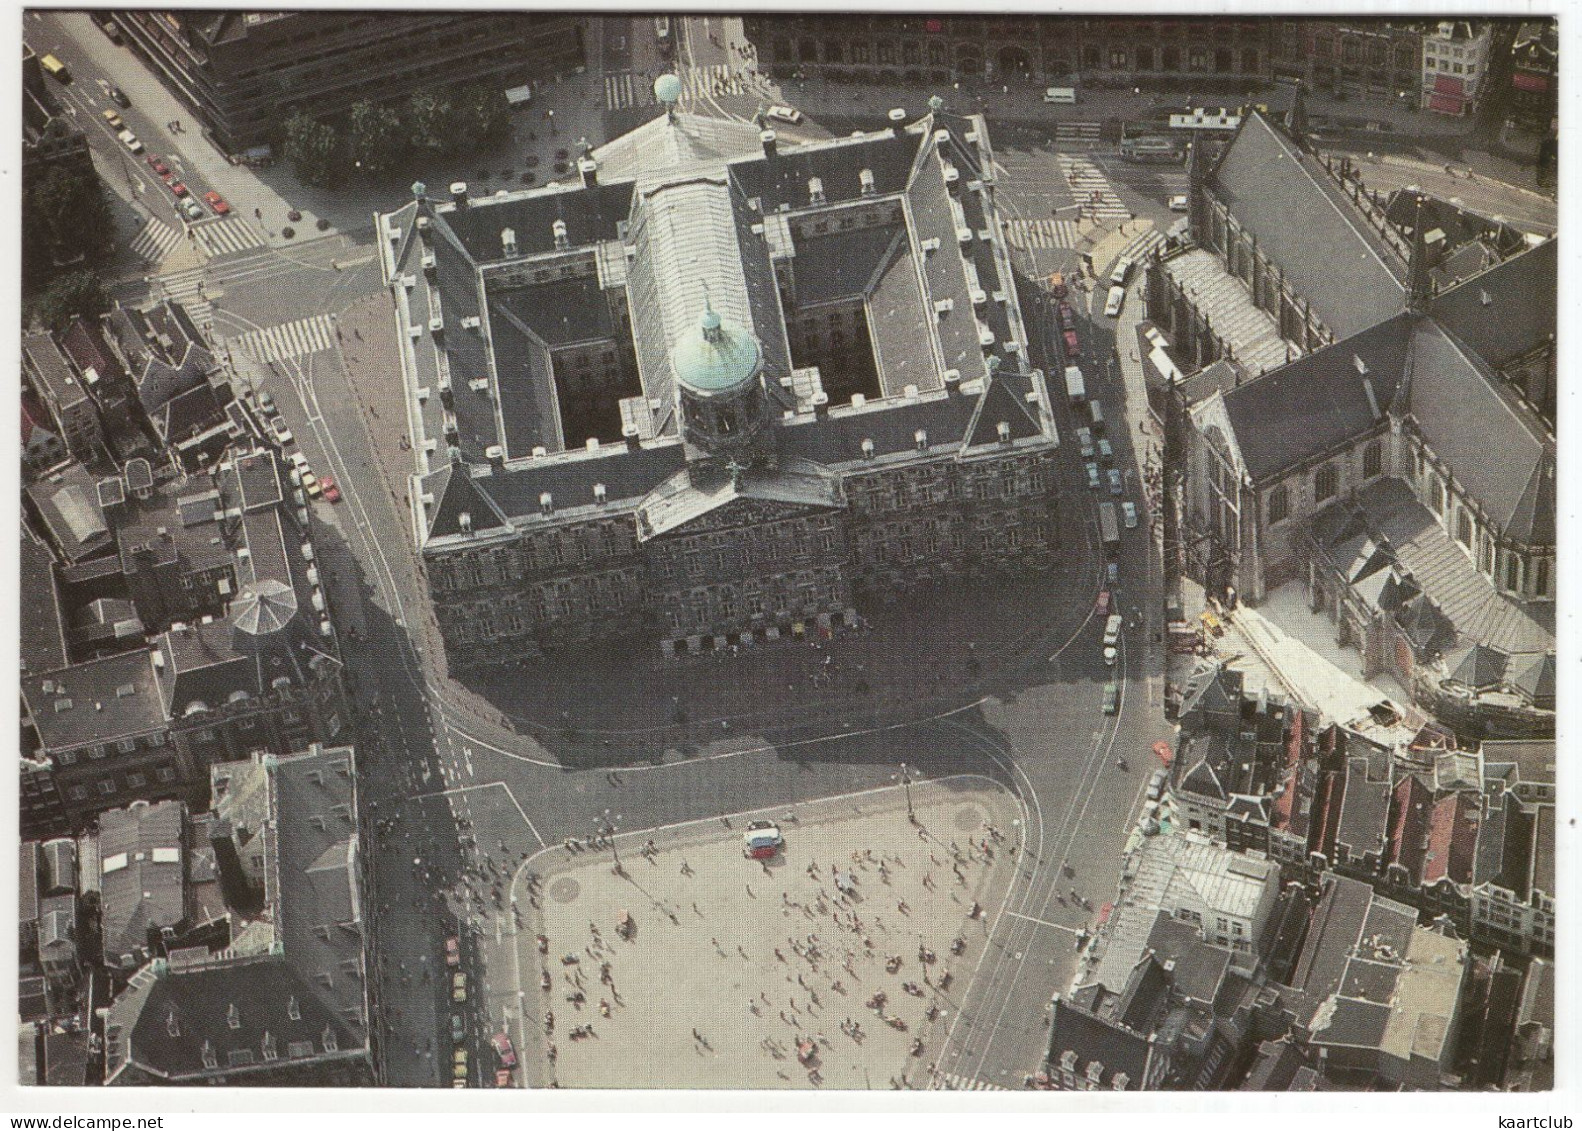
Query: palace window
(1279, 504)
(1464, 528)
(1326, 482)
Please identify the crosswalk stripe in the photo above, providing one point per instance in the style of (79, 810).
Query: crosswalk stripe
(1087, 183)
(157, 240)
(289, 339)
(228, 236)
(699, 82)
(951, 1082)
(620, 91)
(187, 288)
(1042, 233)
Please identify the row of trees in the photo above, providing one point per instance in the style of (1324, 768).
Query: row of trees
(68, 234)
(374, 138)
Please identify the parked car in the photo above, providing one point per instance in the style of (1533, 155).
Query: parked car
(332, 493)
(1129, 514)
(311, 484)
(787, 114)
(458, 987)
(1116, 299)
(298, 462)
(1073, 347)
(1106, 451)
(1102, 606)
(1112, 698)
(1179, 203)
(217, 202)
(1093, 476)
(1114, 477)
(1068, 318)
(502, 1077)
(111, 30)
(129, 139)
(453, 952)
(1085, 439)
(1112, 573)
(283, 434)
(762, 840)
(458, 1028)
(502, 1045)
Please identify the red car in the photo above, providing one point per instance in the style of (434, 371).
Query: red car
(502, 1077)
(1102, 606)
(177, 188)
(331, 492)
(502, 1045)
(158, 164)
(1067, 317)
(1073, 347)
(452, 952)
(217, 202)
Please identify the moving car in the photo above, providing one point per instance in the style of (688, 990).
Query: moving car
(762, 839)
(118, 96)
(1112, 305)
(502, 1077)
(1112, 698)
(1102, 605)
(56, 68)
(1057, 285)
(1093, 476)
(1129, 515)
(1085, 438)
(1106, 451)
(1061, 95)
(1112, 638)
(453, 952)
(217, 202)
(1112, 572)
(176, 188)
(190, 208)
(129, 139)
(1068, 317)
(283, 434)
(1114, 477)
(458, 987)
(1073, 347)
(332, 493)
(788, 114)
(157, 164)
(502, 1045)
(1179, 203)
(459, 1072)
(1123, 268)
(458, 1028)
(114, 119)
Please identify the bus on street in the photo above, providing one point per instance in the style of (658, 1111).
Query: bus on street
(1109, 529)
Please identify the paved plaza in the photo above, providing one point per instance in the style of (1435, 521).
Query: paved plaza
(734, 963)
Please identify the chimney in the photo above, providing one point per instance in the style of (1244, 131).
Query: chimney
(633, 440)
(815, 190)
(821, 404)
(508, 242)
(589, 168)
(1004, 430)
(458, 193)
(496, 455)
(464, 520)
(562, 240)
(599, 494)
(546, 503)
(767, 140)
(897, 120)
(424, 226)
(952, 381)
(920, 437)
(867, 448)
(865, 179)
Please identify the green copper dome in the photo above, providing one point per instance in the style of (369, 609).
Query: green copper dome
(716, 356)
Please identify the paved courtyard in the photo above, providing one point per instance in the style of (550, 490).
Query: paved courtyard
(735, 963)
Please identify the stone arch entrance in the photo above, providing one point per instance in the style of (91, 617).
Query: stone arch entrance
(1015, 61)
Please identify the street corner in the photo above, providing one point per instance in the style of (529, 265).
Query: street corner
(830, 949)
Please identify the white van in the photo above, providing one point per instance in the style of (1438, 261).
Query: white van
(788, 114)
(1123, 268)
(1112, 638)
(1061, 95)
(1112, 305)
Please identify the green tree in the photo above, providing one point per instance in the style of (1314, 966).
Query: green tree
(79, 291)
(374, 139)
(482, 116)
(313, 149)
(431, 119)
(69, 208)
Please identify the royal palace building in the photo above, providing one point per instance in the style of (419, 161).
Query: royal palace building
(719, 389)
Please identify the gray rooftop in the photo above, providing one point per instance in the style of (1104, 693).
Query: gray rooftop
(143, 874)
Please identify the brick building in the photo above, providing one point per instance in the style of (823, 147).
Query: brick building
(720, 390)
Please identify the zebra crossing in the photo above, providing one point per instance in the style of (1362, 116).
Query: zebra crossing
(951, 1082)
(620, 91)
(1143, 246)
(187, 288)
(289, 339)
(157, 240)
(1074, 133)
(227, 236)
(1041, 233)
(1092, 190)
(715, 79)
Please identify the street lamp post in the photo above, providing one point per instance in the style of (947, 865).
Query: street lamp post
(906, 785)
(609, 831)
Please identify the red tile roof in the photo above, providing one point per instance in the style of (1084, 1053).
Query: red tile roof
(1452, 839)
(1411, 811)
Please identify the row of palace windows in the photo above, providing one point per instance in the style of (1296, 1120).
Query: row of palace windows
(1326, 483)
